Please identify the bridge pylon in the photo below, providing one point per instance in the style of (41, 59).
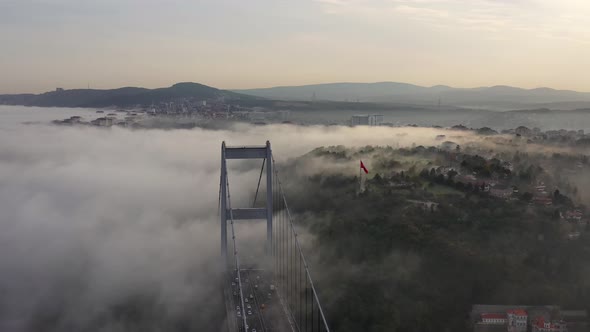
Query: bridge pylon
(226, 213)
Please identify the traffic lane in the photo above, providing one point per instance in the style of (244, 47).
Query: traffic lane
(253, 314)
(267, 305)
(241, 311)
(275, 312)
(255, 305)
(272, 312)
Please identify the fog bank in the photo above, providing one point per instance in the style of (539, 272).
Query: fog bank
(97, 221)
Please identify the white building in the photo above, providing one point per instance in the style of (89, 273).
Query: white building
(542, 325)
(283, 115)
(103, 122)
(517, 320)
(366, 120)
(493, 319)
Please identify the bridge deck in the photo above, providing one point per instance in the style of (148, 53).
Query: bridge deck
(264, 311)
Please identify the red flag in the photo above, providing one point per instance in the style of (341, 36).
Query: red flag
(364, 168)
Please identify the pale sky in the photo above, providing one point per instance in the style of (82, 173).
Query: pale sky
(261, 43)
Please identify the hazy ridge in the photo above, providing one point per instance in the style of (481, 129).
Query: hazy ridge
(496, 97)
(126, 96)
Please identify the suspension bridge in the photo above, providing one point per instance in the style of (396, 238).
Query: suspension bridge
(277, 293)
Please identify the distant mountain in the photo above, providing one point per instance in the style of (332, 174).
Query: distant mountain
(501, 97)
(336, 91)
(119, 97)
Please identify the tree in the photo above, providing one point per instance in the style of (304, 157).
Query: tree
(451, 174)
(526, 196)
(424, 173)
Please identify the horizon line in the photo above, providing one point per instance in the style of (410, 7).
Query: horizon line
(305, 85)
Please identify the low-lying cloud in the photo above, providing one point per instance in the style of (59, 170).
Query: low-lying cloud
(98, 222)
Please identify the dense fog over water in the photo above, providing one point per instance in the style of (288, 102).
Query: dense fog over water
(95, 220)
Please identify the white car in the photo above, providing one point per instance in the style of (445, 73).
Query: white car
(249, 312)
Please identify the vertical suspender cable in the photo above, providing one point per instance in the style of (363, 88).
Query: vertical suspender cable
(259, 179)
(306, 305)
(236, 258)
(294, 241)
(289, 221)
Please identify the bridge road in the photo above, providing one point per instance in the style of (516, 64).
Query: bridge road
(257, 306)
(264, 312)
(272, 314)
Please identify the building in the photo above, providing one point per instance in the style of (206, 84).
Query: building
(448, 145)
(283, 115)
(577, 320)
(574, 235)
(501, 193)
(523, 131)
(543, 200)
(508, 165)
(574, 215)
(366, 120)
(102, 122)
(425, 205)
(257, 116)
(523, 318)
(517, 320)
(542, 325)
(493, 318)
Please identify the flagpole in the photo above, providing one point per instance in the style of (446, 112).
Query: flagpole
(360, 178)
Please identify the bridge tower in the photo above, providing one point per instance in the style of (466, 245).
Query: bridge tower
(284, 288)
(246, 152)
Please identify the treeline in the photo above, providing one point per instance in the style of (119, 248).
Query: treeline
(384, 264)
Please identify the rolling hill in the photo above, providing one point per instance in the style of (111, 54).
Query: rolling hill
(496, 97)
(121, 97)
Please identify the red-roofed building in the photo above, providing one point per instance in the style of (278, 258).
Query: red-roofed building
(493, 318)
(542, 325)
(543, 200)
(517, 320)
(574, 215)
